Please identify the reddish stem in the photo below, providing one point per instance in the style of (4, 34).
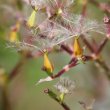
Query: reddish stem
(101, 46)
(65, 69)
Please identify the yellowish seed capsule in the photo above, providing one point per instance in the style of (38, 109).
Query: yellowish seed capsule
(47, 63)
(31, 20)
(78, 52)
(13, 36)
(14, 32)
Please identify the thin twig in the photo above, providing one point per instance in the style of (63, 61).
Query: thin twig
(67, 49)
(90, 47)
(66, 68)
(54, 96)
(102, 44)
(94, 51)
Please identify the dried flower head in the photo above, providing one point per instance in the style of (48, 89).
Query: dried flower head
(50, 33)
(51, 7)
(78, 25)
(50, 3)
(65, 85)
(46, 35)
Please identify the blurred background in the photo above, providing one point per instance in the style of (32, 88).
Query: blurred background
(22, 92)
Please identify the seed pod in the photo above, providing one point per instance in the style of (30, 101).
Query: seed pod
(14, 32)
(32, 18)
(47, 64)
(78, 52)
(13, 36)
